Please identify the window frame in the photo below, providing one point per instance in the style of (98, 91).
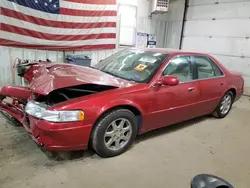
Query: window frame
(210, 61)
(120, 25)
(191, 63)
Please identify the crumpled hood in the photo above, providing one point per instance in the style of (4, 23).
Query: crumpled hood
(52, 76)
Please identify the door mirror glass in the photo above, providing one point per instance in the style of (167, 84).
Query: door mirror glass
(168, 80)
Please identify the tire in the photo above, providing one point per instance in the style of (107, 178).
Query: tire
(221, 110)
(108, 134)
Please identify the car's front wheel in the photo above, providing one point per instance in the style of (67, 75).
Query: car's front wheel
(225, 105)
(114, 133)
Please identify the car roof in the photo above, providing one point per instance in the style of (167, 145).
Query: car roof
(170, 51)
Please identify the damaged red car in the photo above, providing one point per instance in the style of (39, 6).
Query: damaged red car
(69, 107)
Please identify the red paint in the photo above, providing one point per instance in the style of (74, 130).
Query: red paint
(51, 76)
(159, 105)
(15, 92)
(168, 80)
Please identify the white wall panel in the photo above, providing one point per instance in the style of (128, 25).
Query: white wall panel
(144, 25)
(96, 56)
(175, 12)
(5, 70)
(168, 26)
(225, 46)
(219, 11)
(29, 54)
(8, 56)
(15, 53)
(205, 2)
(40, 54)
(221, 28)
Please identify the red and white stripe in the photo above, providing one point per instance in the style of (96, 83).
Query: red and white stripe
(82, 24)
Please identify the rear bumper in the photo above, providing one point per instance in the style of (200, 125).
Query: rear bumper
(68, 136)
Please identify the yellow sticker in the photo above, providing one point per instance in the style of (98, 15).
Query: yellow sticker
(140, 67)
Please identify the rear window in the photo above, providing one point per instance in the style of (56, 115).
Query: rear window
(207, 68)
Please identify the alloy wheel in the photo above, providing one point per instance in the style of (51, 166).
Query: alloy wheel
(118, 134)
(226, 104)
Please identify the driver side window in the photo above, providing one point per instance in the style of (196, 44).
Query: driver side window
(180, 67)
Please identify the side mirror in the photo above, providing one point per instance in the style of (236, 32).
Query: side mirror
(168, 80)
(209, 181)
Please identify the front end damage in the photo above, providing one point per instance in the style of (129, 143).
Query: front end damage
(62, 136)
(13, 100)
(56, 136)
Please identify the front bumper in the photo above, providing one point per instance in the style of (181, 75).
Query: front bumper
(59, 136)
(68, 136)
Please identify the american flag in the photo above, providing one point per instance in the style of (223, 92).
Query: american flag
(58, 24)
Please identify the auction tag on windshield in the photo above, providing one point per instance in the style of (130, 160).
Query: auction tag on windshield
(140, 67)
(148, 60)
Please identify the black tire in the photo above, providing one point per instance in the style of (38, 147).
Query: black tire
(218, 112)
(97, 140)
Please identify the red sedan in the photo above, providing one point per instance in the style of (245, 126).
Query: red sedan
(68, 107)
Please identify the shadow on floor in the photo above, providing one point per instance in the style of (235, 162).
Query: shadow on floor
(68, 156)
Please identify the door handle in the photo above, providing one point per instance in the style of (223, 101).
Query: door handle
(222, 83)
(191, 88)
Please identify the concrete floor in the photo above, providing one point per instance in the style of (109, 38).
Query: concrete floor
(165, 158)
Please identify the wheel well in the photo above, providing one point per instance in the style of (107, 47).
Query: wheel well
(133, 109)
(233, 91)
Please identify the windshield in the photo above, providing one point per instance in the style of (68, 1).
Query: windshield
(135, 65)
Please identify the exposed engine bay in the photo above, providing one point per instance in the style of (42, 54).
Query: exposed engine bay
(65, 94)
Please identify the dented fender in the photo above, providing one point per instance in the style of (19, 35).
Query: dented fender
(18, 92)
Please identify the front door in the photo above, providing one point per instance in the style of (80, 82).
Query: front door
(172, 104)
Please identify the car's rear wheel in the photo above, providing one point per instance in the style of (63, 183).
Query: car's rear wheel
(114, 133)
(225, 105)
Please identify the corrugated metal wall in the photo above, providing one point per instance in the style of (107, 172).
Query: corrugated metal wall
(221, 28)
(168, 26)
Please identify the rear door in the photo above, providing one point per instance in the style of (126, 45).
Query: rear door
(211, 83)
